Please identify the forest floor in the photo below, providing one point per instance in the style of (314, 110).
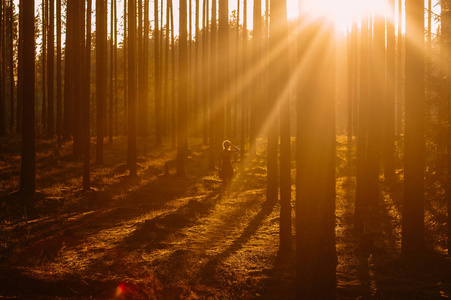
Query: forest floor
(164, 237)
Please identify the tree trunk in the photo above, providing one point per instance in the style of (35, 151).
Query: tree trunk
(131, 136)
(68, 76)
(101, 80)
(182, 122)
(223, 99)
(20, 70)
(76, 69)
(214, 139)
(389, 110)
(315, 170)
(258, 78)
(27, 170)
(158, 126)
(205, 79)
(174, 131)
(111, 106)
(2, 63)
(51, 71)
(413, 213)
(59, 107)
(272, 186)
(87, 102)
(43, 52)
(125, 68)
(245, 89)
(362, 134)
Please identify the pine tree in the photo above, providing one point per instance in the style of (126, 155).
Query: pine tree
(101, 79)
(131, 135)
(50, 70)
(414, 152)
(86, 108)
(27, 171)
(182, 122)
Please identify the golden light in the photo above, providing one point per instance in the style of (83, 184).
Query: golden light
(342, 12)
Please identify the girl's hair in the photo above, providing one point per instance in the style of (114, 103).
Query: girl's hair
(226, 144)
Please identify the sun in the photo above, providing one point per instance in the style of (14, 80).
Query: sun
(342, 12)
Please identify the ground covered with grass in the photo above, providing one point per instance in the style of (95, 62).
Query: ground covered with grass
(164, 237)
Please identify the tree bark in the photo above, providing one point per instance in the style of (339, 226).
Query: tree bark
(27, 170)
(414, 157)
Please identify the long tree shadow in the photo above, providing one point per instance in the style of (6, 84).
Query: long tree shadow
(207, 272)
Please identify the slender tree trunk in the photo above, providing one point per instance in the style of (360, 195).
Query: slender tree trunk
(196, 94)
(166, 73)
(59, 107)
(258, 79)
(413, 213)
(245, 89)
(2, 63)
(236, 88)
(174, 76)
(214, 139)
(68, 76)
(389, 110)
(111, 104)
(400, 77)
(131, 138)
(101, 80)
(116, 100)
(205, 77)
(182, 124)
(51, 71)
(20, 70)
(43, 52)
(315, 170)
(375, 106)
(145, 63)
(275, 93)
(77, 60)
(87, 102)
(350, 70)
(142, 126)
(157, 77)
(362, 134)
(125, 69)
(223, 117)
(27, 170)
(11, 60)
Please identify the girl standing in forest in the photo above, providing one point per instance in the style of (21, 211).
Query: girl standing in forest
(225, 163)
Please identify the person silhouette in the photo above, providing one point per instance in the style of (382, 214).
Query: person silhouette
(225, 163)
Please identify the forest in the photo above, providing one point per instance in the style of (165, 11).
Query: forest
(225, 149)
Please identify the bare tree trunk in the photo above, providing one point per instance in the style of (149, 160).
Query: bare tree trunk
(77, 60)
(362, 134)
(174, 131)
(59, 106)
(50, 70)
(111, 104)
(20, 70)
(68, 76)
(125, 69)
(205, 79)
(315, 171)
(223, 117)
(214, 139)
(43, 52)
(157, 77)
(245, 94)
(131, 138)
(389, 111)
(414, 157)
(101, 80)
(87, 102)
(182, 123)
(2, 77)
(27, 170)
(258, 79)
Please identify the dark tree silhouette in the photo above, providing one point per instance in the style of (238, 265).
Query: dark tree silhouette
(27, 170)
(315, 170)
(182, 122)
(68, 75)
(2, 77)
(389, 109)
(279, 17)
(214, 140)
(44, 60)
(59, 104)
(101, 76)
(76, 69)
(362, 134)
(131, 134)
(414, 152)
(158, 126)
(51, 70)
(87, 101)
(257, 94)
